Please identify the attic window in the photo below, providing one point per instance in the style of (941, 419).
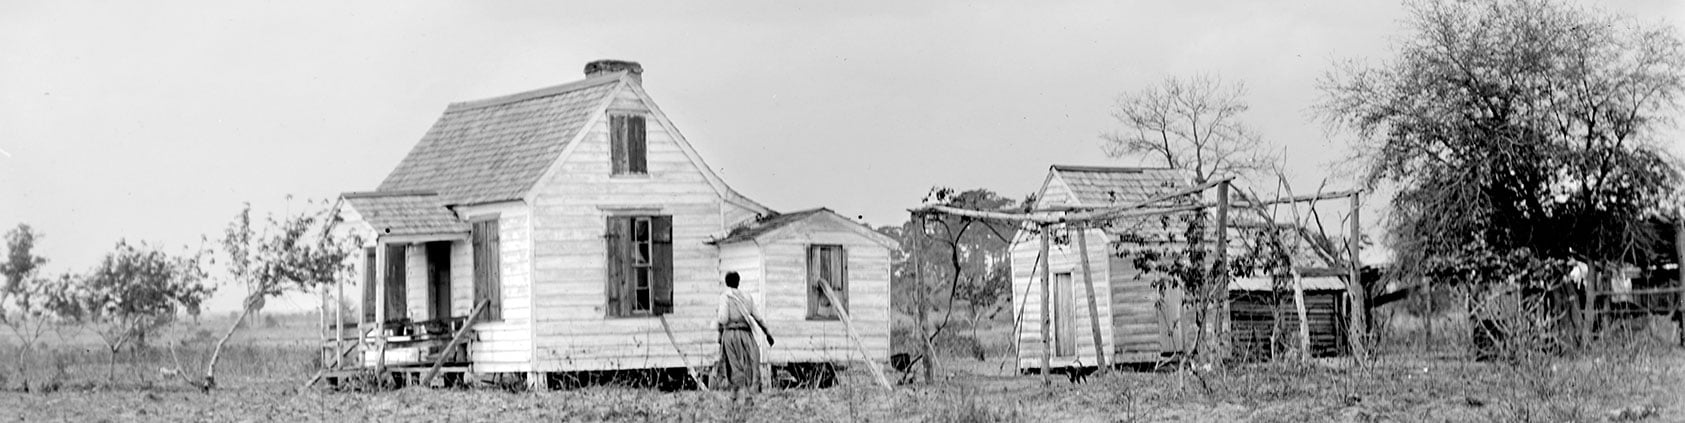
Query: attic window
(627, 146)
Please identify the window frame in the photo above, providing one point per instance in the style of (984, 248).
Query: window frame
(628, 144)
(638, 276)
(818, 305)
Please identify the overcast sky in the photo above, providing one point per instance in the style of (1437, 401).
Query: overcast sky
(151, 121)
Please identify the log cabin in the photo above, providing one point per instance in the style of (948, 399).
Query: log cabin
(1139, 322)
(584, 233)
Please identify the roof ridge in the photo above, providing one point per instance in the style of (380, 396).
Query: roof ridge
(803, 211)
(1129, 169)
(398, 193)
(533, 94)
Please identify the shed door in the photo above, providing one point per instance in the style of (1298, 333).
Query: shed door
(1172, 320)
(1064, 316)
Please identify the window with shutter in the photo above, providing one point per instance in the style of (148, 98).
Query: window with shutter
(627, 145)
(369, 279)
(488, 281)
(826, 264)
(640, 265)
(397, 301)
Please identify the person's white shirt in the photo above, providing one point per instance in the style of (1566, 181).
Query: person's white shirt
(722, 313)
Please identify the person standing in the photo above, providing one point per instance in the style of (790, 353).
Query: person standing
(740, 356)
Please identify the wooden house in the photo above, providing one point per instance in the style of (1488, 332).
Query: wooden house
(1139, 321)
(596, 238)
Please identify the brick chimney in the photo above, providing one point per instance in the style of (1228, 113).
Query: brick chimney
(604, 67)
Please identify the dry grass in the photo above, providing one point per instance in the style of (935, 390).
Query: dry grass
(1405, 383)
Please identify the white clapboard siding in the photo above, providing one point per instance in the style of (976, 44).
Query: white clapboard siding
(571, 206)
(1026, 296)
(786, 305)
(503, 345)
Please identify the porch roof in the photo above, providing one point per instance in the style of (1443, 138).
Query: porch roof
(399, 213)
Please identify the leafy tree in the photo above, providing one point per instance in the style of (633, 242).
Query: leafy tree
(1517, 131)
(137, 289)
(24, 299)
(293, 252)
(1189, 123)
(964, 260)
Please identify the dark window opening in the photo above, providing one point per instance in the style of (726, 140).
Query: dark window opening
(640, 265)
(828, 265)
(628, 148)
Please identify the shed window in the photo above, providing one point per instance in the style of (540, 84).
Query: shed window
(640, 265)
(627, 146)
(488, 272)
(826, 264)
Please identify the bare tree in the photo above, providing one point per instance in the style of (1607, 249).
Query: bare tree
(1193, 124)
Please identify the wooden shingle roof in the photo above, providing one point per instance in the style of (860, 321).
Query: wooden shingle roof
(497, 149)
(767, 224)
(404, 213)
(1095, 186)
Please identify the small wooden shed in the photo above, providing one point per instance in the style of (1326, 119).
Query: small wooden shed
(1139, 323)
(1139, 320)
(1255, 307)
(796, 252)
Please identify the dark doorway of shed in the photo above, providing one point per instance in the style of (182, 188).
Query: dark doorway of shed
(438, 280)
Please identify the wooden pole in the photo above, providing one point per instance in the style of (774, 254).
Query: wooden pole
(848, 325)
(324, 348)
(1354, 285)
(682, 358)
(1679, 262)
(467, 326)
(1093, 307)
(339, 309)
(1221, 280)
(928, 353)
(1428, 321)
(1304, 321)
(1593, 273)
(1046, 315)
(379, 329)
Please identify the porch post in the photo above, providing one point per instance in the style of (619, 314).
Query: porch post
(339, 310)
(1046, 312)
(380, 258)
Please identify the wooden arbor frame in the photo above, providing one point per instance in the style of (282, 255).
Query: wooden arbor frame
(1043, 219)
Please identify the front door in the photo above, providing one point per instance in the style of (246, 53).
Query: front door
(438, 280)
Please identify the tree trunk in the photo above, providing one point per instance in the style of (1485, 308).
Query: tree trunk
(1304, 321)
(210, 367)
(918, 289)
(111, 366)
